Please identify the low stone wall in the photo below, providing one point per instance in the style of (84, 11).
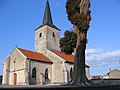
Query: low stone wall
(112, 87)
(106, 81)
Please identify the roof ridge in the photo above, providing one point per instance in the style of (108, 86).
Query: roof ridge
(29, 50)
(35, 55)
(68, 58)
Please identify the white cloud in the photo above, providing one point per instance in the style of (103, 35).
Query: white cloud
(103, 63)
(104, 55)
(100, 61)
(91, 51)
(109, 59)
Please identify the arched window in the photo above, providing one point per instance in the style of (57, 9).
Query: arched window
(40, 35)
(71, 73)
(34, 72)
(46, 73)
(53, 34)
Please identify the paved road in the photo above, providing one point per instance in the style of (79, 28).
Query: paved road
(51, 87)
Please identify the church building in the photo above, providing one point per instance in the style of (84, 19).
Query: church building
(46, 65)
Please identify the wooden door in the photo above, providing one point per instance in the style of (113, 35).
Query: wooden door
(15, 78)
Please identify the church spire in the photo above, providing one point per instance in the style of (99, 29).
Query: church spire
(47, 20)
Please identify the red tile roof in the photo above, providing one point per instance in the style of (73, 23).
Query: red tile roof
(68, 58)
(34, 55)
(97, 77)
(41, 57)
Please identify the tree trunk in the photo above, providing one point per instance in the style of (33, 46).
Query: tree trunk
(79, 75)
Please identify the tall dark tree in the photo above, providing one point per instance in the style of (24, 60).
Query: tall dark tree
(79, 15)
(68, 42)
(1, 79)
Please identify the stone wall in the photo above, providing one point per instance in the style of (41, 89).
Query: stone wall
(88, 72)
(106, 81)
(40, 71)
(6, 69)
(112, 74)
(17, 65)
(47, 40)
(40, 41)
(53, 39)
(61, 69)
(68, 67)
(57, 67)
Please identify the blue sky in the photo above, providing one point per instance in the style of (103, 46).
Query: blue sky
(19, 19)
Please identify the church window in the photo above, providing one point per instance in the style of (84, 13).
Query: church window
(53, 34)
(40, 35)
(34, 72)
(14, 60)
(46, 73)
(71, 73)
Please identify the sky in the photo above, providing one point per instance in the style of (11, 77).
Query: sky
(19, 19)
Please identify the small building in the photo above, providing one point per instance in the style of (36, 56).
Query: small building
(46, 65)
(114, 74)
(97, 77)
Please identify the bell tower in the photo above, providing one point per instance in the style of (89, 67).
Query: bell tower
(47, 35)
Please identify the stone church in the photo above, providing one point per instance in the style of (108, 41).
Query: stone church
(46, 65)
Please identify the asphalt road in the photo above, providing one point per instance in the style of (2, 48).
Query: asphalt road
(38, 87)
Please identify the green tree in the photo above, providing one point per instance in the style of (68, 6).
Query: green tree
(79, 15)
(68, 42)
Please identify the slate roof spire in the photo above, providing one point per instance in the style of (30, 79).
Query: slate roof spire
(47, 15)
(47, 19)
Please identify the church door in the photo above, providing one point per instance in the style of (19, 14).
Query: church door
(15, 78)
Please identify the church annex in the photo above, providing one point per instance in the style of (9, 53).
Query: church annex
(46, 65)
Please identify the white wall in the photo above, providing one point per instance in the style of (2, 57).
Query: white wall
(17, 66)
(47, 41)
(57, 67)
(88, 73)
(53, 43)
(70, 65)
(114, 74)
(6, 68)
(40, 68)
(40, 42)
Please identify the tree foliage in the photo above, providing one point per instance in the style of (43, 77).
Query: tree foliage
(74, 15)
(68, 42)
